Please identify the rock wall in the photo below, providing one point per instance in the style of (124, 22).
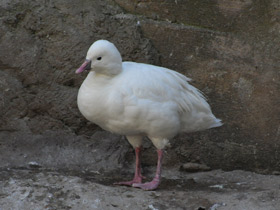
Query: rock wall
(229, 48)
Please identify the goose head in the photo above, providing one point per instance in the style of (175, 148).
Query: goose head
(103, 58)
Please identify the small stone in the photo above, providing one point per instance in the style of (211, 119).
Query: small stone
(194, 167)
(34, 164)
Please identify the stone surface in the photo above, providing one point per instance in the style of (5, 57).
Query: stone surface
(194, 167)
(229, 49)
(52, 158)
(42, 43)
(214, 190)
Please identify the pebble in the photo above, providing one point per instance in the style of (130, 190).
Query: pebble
(194, 167)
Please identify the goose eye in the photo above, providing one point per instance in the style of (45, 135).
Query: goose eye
(99, 58)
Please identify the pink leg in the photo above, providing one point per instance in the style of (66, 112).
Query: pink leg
(155, 182)
(137, 176)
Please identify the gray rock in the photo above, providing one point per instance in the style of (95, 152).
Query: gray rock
(29, 189)
(194, 167)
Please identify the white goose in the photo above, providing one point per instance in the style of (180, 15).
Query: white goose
(137, 100)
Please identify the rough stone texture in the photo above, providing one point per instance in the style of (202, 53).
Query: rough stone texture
(229, 48)
(235, 64)
(52, 158)
(215, 190)
(42, 43)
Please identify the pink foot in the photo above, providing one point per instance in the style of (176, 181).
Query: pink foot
(148, 185)
(155, 182)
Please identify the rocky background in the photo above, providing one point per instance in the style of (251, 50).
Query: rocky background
(229, 48)
(52, 158)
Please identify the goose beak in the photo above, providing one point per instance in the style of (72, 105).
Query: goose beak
(85, 66)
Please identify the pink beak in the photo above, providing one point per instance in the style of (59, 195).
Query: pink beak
(85, 66)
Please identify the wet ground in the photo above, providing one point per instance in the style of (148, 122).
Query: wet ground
(22, 189)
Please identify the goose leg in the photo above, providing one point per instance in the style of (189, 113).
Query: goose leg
(155, 182)
(137, 175)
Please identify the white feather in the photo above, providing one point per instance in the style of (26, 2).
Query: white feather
(142, 100)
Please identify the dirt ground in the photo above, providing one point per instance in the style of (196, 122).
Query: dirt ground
(213, 190)
(57, 171)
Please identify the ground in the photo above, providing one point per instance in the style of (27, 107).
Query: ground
(26, 189)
